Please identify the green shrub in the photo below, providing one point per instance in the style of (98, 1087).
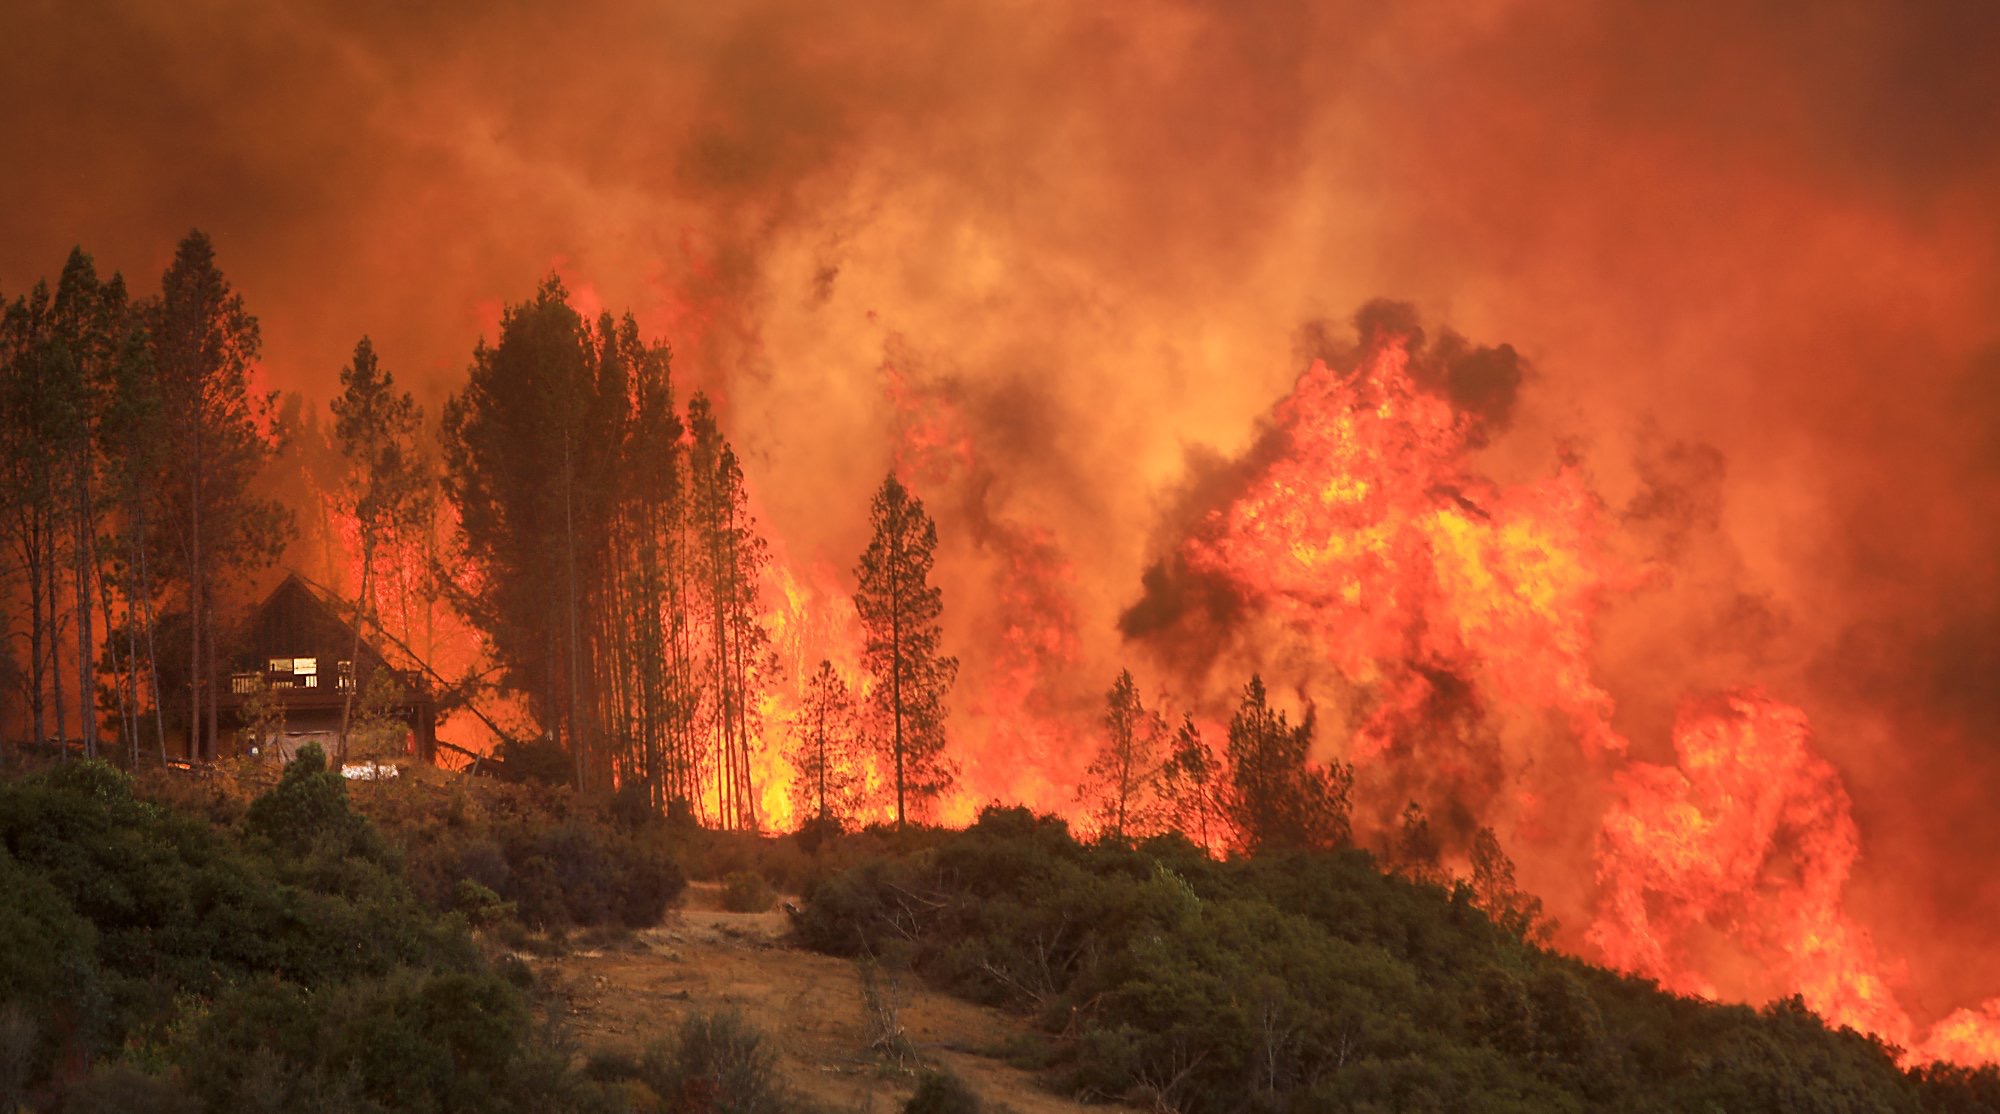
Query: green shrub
(745, 891)
(283, 965)
(481, 906)
(308, 809)
(1315, 981)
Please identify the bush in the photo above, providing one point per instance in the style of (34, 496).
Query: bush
(717, 1063)
(562, 860)
(941, 1092)
(238, 969)
(481, 906)
(122, 1088)
(308, 811)
(745, 891)
(544, 761)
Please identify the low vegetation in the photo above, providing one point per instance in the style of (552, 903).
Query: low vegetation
(1316, 981)
(291, 954)
(304, 951)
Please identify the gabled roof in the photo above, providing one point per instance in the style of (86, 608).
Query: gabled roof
(295, 621)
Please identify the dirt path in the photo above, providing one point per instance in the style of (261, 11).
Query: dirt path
(810, 1006)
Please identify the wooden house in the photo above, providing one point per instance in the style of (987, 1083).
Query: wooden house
(294, 668)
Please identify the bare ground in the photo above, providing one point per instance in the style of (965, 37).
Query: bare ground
(810, 1007)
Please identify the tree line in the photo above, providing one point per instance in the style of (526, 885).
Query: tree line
(605, 546)
(616, 565)
(131, 438)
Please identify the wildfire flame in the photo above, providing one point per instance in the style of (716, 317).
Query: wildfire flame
(1448, 607)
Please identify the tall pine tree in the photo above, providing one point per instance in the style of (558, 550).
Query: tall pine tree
(531, 451)
(203, 346)
(733, 557)
(899, 612)
(385, 488)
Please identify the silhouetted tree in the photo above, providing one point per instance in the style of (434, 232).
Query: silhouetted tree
(203, 346)
(31, 422)
(733, 557)
(899, 612)
(659, 708)
(132, 433)
(1277, 798)
(1417, 851)
(531, 448)
(1190, 786)
(385, 487)
(826, 751)
(1509, 906)
(1121, 785)
(88, 321)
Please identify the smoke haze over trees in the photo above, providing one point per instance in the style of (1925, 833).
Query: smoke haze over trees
(1734, 268)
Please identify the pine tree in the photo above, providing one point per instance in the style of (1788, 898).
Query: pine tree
(1190, 787)
(203, 346)
(825, 753)
(733, 557)
(899, 612)
(1512, 908)
(532, 448)
(1121, 785)
(654, 619)
(87, 320)
(30, 419)
(385, 488)
(134, 448)
(1276, 798)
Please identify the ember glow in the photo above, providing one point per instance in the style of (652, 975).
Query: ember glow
(1678, 575)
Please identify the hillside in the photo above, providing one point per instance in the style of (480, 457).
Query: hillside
(451, 944)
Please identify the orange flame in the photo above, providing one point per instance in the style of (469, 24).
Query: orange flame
(1439, 598)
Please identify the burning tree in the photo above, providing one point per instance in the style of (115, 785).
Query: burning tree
(899, 612)
(1121, 785)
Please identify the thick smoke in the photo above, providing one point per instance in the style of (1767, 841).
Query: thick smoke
(1750, 252)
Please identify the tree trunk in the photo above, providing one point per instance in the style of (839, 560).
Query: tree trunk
(54, 569)
(31, 559)
(86, 665)
(354, 649)
(195, 750)
(152, 646)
